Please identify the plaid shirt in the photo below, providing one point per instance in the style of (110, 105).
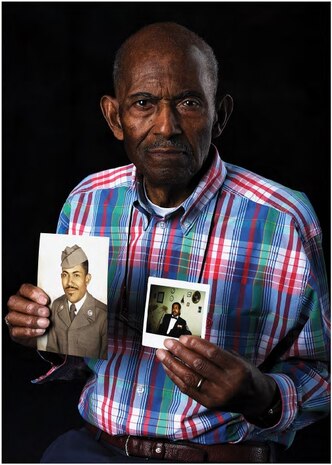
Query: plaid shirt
(258, 245)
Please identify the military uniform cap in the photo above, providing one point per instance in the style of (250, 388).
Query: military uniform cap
(72, 256)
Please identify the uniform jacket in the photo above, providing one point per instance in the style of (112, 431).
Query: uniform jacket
(178, 329)
(86, 336)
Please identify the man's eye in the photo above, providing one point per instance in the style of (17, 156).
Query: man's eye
(191, 103)
(142, 103)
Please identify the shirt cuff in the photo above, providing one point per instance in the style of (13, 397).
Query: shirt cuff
(70, 367)
(288, 394)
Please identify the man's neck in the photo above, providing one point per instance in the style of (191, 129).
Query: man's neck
(173, 195)
(166, 196)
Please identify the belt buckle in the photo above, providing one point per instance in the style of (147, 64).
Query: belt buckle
(158, 450)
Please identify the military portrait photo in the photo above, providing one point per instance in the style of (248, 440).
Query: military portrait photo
(78, 321)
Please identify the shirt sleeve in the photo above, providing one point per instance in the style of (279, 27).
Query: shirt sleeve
(63, 222)
(302, 371)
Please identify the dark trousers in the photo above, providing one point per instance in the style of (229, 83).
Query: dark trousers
(79, 446)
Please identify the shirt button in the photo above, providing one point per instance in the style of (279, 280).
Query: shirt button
(161, 224)
(158, 450)
(140, 390)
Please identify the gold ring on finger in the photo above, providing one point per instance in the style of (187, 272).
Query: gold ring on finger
(199, 384)
(7, 322)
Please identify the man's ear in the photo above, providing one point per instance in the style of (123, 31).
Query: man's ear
(224, 110)
(88, 278)
(110, 108)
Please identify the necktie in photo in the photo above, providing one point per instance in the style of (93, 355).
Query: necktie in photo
(72, 312)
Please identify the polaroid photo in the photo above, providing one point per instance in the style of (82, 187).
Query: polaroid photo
(174, 308)
(73, 271)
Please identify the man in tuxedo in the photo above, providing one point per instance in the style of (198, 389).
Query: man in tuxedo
(78, 320)
(172, 324)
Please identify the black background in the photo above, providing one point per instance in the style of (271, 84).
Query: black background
(57, 60)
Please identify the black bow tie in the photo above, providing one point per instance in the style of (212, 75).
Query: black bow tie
(175, 317)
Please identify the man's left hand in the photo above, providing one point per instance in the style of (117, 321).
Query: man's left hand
(217, 378)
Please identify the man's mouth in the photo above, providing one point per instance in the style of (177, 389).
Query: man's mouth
(71, 289)
(165, 151)
(168, 148)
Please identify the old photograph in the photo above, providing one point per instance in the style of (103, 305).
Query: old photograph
(174, 308)
(73, 270)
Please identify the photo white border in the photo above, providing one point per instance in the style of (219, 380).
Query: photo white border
(156, 340)
(51, 246)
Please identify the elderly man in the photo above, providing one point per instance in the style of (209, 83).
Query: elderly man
(180, 212)
(78, 320)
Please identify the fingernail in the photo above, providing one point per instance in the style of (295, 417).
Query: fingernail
(169, 343)
(160, 354)
(184, 339)
(42, 322)
(42, 299)
(43, 312)
(39, 332)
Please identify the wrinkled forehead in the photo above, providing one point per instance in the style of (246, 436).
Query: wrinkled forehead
(74, 269)
(183, 66)
(136, 58)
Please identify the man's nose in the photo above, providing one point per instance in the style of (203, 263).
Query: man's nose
(69, 281)
(167, 122)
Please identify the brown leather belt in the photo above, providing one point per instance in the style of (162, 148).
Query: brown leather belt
(180, 451)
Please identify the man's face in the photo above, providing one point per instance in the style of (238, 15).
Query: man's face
(74, 282)
(166, 112)
(176, 310)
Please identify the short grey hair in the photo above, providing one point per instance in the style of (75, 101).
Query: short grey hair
(176, 34)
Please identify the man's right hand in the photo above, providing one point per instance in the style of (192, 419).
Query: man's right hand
(28, 315)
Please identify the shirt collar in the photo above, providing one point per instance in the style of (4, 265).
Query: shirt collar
(79, 304)
(201, 196)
